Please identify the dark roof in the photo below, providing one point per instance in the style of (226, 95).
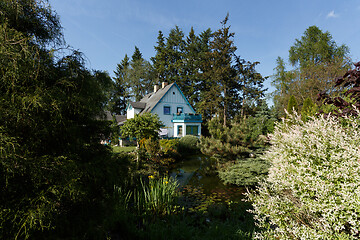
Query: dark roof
(120, 119)
(139, 105)
(151, 100)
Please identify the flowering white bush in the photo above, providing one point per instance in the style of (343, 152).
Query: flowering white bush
(313, 187)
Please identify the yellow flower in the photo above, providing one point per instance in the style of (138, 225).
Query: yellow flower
(151, 176)
(166, 182)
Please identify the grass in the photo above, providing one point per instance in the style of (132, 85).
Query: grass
(117, 149)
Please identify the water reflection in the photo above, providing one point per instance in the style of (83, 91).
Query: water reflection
(198, 172)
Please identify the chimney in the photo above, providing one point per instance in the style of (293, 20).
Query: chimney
(156, 88)
(164, 84)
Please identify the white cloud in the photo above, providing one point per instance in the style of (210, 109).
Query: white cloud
(332, 14)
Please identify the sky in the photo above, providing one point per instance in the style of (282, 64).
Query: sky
(106, 30)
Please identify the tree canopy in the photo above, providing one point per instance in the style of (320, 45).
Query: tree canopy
(317, 60)
(50, 153)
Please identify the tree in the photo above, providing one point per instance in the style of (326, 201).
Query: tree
(160, 59)
(50, 153)
(292, 105)
(315, 47)
(308, 109)
(317, 60)
(121, 95)
(227, 143)
(348, 103)
(251, 87)
(146, 125)
(222, 50)
(140, 82)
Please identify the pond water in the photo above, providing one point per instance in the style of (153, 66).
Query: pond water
(198, 173)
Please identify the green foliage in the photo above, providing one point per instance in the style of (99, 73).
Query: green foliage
(260, 125)
(169, 147)
(292, 106)
(315, 47)
(159, 196)
(225, 144)
(313, 184)
(188, 145)
(120, 94)
(51, 164)
(145, 125)
(317, 60)
(202, 66)
(245, 172)
(308, 109)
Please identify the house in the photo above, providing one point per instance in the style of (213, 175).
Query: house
(173, 109)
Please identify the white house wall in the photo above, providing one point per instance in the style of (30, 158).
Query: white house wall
(173, 99)
(184, 128)
(130, 113)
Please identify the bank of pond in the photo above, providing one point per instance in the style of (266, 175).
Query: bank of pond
(189, 202)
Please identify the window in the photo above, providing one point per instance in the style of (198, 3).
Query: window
(192, 130)
(179, 131)
(166, 110)
(179, 110)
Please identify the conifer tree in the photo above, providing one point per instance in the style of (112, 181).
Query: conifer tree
(221, 56)
(292, 105)
(160, 59)
(121, 94)
(140, 81)
(308, 109)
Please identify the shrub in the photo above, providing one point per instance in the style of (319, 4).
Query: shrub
(245, 172)
(313, 187)
(169, 147)
(188, 145)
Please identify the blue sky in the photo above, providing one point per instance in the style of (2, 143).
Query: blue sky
(107, 30)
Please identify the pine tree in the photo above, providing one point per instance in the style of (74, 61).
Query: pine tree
(175, 46)
(121, 95)
(140, 81)
(160, 59)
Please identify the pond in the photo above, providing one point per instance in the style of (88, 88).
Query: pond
(197, 174)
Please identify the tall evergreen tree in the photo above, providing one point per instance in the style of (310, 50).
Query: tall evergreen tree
(121, 95)
(191, 76)
(139, 81)
(160, 59)
(250, 86)
(175, 45)
(221, 56)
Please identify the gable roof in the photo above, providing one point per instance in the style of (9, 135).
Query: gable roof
(149, 101)
(139, 105)
(153, 98)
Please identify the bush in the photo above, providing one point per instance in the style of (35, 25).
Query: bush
(169, 147)
(188, 145)
(313, 187)
(245, 172)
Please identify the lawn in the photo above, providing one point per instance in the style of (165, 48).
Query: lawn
(118, 149)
